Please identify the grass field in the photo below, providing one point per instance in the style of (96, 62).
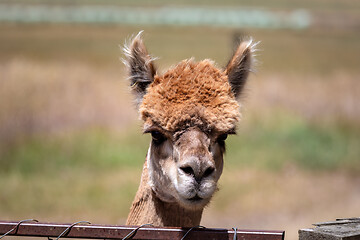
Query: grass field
(71, 146)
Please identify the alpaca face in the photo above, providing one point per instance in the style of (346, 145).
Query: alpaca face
(189, 111)
(185, 166)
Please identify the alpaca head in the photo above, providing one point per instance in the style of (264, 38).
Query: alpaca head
(189, 111)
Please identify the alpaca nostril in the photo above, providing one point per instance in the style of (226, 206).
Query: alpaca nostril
(188, 170)
(208, 171)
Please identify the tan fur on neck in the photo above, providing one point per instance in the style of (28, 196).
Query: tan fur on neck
(147, 208)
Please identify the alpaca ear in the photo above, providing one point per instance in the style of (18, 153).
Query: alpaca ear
(240, 65)
(139, 65)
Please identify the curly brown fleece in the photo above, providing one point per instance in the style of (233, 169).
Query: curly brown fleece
(191, 94)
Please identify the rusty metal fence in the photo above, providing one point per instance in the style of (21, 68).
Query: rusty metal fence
(86, 230)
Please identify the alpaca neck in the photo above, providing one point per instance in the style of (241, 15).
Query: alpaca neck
(148, 208)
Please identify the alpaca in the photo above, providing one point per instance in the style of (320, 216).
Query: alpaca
(189, 112)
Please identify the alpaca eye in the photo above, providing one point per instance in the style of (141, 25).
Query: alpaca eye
(222, 137)
(158, 137)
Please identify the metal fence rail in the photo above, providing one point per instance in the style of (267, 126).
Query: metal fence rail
(56, 230)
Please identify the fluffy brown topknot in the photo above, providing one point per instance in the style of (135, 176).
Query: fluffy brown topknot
(191, 94)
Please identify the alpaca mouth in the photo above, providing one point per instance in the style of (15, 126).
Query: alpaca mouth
(195, 199)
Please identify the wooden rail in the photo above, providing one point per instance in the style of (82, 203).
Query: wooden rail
(341, 229)
(54, 230)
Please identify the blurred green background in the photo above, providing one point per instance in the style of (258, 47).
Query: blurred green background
(71, 146)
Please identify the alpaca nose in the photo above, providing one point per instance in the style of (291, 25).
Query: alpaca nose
(197, 170)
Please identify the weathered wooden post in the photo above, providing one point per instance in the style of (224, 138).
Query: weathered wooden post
(341, 229)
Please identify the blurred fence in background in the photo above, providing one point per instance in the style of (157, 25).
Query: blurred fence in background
(184, 16)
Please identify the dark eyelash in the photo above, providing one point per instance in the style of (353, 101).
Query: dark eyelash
(222, 137)
(157, 137)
